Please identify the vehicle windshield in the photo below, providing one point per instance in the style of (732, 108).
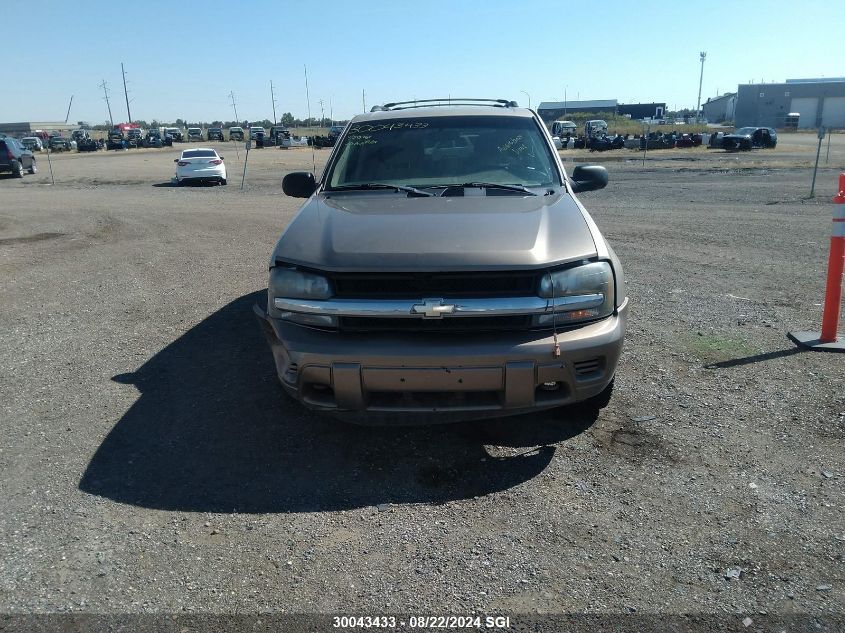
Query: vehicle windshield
(746, 131)
(199, 153)
(194, 130)
(445, 150)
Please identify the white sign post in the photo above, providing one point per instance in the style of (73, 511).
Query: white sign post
(247, 146)
(822, 132)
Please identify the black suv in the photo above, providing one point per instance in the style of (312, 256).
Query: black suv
(115, 140)
(175, 133)
(14, 157)
(134, 138)
(215, 134)
(750, 137)
(277, 133)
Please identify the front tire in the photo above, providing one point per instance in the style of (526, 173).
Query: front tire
(17, 170)
(223, 181)
(33, 169)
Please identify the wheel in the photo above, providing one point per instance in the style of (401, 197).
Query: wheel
(223, 181)
(17, 169)
(33, 169)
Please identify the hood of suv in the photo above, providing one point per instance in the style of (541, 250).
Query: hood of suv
(386, 231)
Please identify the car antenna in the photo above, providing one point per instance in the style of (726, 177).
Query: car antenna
(556, 351)
(308, 101)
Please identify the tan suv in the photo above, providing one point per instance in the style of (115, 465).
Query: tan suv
(442, 268)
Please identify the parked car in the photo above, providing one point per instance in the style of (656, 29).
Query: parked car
(236, 133)
(16, 158)
(87, 144)
(200, 165)
(254, 130)
(215, 134)
(78, 135)
(295, 141)
(277, 133)
(154, 138)
(746, 138)
(116, 140)
(175, 133)
(564, 128)
(134, 138)
(61, 144)
(194, 134)
(32, 143)
(443, 268)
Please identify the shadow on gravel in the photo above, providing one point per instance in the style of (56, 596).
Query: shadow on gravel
(212, 431)
(757, 358)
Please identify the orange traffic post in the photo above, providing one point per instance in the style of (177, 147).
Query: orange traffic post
(826, 340)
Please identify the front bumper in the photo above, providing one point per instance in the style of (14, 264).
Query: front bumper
(366, 377)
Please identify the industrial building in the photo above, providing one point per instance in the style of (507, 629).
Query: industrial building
(555, 110)
(820, 102)
(26, 128)
(720, 109)
(640, 111)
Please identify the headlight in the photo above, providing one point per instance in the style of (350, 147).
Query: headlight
(297, 284)
(580, 293)
(291, 283)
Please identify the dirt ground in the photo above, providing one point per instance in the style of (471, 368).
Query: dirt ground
(150, 462)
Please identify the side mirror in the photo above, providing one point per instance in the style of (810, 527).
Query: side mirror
(299, 184)
(221, 158)
(175, 160)
(588, 178)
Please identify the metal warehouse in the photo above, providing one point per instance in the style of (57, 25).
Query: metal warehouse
(640, 111)
(820, 102)
(27, 127)
(720, 109)
(553, 110)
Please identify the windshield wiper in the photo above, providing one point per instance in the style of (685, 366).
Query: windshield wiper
(492, 185)
(411, 191)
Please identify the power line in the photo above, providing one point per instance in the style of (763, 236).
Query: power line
(700, 79)
(126, 93)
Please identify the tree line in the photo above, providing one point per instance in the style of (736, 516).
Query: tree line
(287, 119)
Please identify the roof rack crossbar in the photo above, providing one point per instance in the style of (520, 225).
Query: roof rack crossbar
(423, 103)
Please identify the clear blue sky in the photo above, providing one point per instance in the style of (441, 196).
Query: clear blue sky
(183, 58)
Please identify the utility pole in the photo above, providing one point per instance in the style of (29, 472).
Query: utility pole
(273, 98)
(307, 95)
(234, 107)
(105, 88)
(331, 111)
(67, 116)
(700, 80)
(126, 93)
(364, 99)
(322, 113)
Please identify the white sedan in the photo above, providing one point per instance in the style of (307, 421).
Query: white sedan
(200, 165)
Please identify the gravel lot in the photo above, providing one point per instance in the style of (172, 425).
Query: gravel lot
(150, 462)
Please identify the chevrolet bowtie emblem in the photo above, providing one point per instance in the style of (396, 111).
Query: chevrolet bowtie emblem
(432, 309)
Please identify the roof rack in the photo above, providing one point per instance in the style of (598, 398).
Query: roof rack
(450, 101)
